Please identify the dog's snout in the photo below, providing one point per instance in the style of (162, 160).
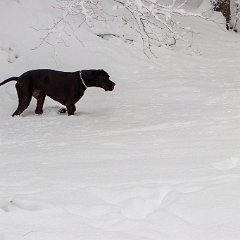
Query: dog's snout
(113, 85)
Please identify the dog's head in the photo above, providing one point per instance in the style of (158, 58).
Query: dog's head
(103, 81)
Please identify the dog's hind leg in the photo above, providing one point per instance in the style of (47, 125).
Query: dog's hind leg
(40, 96)
(24, 98)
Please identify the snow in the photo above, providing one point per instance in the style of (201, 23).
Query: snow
(157, 158)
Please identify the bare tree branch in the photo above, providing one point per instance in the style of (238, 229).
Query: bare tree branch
(156, 24)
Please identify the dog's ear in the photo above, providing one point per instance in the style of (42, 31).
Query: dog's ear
(97, 72)
(94, 73)
(101, 71)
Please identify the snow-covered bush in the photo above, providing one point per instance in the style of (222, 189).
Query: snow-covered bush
(156, 23)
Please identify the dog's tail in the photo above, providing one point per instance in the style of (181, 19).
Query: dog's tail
(9, 80)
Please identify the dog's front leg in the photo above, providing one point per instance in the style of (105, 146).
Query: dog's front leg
(71, 109)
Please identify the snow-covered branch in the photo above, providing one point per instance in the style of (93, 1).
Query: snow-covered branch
(156, 23)
(88, 10)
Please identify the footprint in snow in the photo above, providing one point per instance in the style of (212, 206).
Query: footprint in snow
(140, 208)
(226, 164)
(15, 205)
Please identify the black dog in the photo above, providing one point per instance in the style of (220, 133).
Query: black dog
(64, 87)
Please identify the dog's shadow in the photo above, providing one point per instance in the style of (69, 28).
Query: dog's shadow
(52, 111)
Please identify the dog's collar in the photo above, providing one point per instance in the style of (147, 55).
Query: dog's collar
(83, 82)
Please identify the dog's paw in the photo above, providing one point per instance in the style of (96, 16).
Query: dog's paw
(62, 110)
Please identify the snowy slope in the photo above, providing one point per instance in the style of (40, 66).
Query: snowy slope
(158, 158)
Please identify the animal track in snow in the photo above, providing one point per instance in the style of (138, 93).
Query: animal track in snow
(226, 164)
(12, 53)
(15, 205)
(134, 202)
(140, 208)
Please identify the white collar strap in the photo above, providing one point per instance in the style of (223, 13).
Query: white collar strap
(83, 82)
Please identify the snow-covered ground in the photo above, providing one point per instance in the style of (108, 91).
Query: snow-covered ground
(157, 158)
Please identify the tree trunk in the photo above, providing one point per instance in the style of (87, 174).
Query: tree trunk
(223, 6)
